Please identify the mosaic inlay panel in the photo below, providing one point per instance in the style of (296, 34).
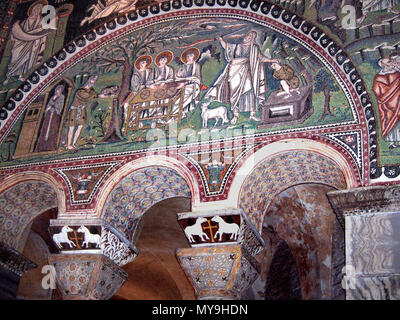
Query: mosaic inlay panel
(282, 171)
(137, 192)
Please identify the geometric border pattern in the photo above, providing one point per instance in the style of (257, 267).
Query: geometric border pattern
(61, 172)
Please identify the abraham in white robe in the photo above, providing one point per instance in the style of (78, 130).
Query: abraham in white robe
(242, 83)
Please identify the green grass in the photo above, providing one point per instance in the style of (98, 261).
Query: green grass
(90, 140)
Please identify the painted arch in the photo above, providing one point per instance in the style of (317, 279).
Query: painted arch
(280, 34)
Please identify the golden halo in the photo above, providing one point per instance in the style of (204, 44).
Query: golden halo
(148, 58)
(166, 53)
(190, 50)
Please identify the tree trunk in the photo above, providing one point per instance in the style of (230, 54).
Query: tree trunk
(125, 82)
(117, 115)
(114, 130)
(327, 111)
(9, 152)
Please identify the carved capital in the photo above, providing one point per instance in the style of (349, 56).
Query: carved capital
(91, 236)
(221, 263)
(217, 272)
(14, 261)
(366, 200)
(250, 239)
(116, 249)
(87, 276)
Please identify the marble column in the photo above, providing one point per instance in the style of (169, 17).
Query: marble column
(372, 238)
(221, 262)
(88, 266)
(12, 266)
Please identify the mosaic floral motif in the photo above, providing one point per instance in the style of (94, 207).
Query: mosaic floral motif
(19, 205)
(209, 267)
(137, 192)
(217, 271)
(282, 171)
(92, 277)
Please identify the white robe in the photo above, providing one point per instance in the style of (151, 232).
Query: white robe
(164, 75)
(192, 76)
(242, 83)
(29, 42)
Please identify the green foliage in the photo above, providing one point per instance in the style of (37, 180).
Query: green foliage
(324, 80)
(210, 71)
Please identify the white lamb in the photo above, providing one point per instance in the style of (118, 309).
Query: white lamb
(216, 113)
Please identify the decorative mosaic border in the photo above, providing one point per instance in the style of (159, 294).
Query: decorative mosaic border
(357, 156)
(248, 148)
(61, 171)
(178, 152)
(275, 14)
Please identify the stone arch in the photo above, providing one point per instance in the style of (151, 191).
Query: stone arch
(19, 205)
(303, 217)
(342, 163)
(41, 176)
(137, 192)
(284, 168)
(170, 162)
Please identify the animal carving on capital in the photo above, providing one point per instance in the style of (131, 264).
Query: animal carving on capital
(196, 230)
(62, 237)
(89, 237)
(224, 227)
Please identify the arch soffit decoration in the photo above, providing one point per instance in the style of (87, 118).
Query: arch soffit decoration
(340, 175)
(146, 162)
(278, 18)
(345, 164)
(17, 178)
(137, 190)
(18, 211)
